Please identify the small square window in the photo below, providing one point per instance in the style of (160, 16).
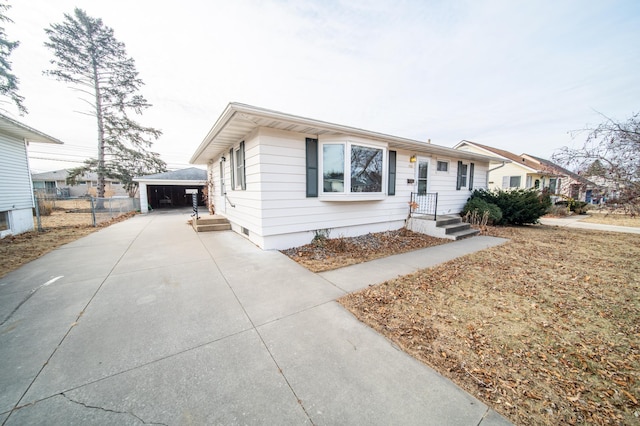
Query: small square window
(442, 166)
(4, 221)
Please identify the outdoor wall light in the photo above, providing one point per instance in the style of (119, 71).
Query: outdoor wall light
(413, 159)
(223, 159)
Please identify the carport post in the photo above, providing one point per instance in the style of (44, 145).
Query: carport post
(144, 203)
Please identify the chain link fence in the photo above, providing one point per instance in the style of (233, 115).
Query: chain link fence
(53, 211)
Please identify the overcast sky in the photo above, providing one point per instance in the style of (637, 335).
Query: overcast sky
(514, 74)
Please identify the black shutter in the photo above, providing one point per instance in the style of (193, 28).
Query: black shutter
(471, 176)
(459, 181)
(232, 169)
(392, 173)
(312, 167)
(242, 175)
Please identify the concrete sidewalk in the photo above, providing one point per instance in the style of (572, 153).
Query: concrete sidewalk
(148, 322)
(575, 222)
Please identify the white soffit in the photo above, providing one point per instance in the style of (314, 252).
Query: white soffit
(239, 120)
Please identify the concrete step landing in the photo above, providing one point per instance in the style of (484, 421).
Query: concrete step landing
(446, 226)
(211, 223)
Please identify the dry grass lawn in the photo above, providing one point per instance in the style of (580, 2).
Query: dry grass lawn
(545, 328)
(612, 219)
(62, 226)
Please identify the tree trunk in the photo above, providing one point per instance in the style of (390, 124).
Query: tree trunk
(100, 118)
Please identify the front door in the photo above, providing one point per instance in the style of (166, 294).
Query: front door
(422, 176)
(426, 203)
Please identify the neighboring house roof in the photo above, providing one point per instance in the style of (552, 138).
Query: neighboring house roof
(188, 176)
(239, 120)
(62, 174)
(561, 170)
(516, 159)
(191, 173)
(18, 130)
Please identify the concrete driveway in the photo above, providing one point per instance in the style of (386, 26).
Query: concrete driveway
(148, 322)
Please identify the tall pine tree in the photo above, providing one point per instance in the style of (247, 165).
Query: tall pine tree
(8, 80)
(88, 55)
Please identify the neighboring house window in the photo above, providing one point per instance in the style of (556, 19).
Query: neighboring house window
(94, 183)
(115, 182)
(363, 163)
(442, 166)
(553, 183)
(472, 167)
(511, 181)
(537, 184)
(529, 181)
(4, 221)
(462, 175)
(82, 182)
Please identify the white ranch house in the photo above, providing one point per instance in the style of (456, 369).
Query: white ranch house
(280, 178)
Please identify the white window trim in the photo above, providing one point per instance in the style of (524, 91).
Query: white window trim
(237, 184)
(347, 195)
(466, 175)
(417, 173)
(443, 172)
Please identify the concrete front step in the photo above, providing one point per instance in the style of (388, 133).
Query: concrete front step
(452, 228)
(211, 223)
(447, 220)
(467, 233)
(446, 226)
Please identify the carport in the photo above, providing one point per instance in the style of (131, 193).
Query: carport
(167, 190)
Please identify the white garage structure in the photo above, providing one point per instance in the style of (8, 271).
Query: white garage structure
(167, 190)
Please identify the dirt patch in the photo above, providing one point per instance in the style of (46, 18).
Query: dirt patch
(545, 329)
(325, 254)
(59, 228)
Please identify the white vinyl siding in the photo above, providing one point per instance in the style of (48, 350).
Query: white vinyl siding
(15, 181)
(278, 214)
(450, 200)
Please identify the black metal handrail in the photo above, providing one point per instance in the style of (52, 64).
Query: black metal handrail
(424, 204)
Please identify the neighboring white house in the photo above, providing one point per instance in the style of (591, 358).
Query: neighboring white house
(16, 193)
(54, 183)
(527, 171)
(281, 178)
(511, 171)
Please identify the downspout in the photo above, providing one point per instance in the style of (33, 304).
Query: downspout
(495, 168)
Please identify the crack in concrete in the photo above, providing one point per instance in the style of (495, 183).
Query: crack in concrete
(94, 407)
(31, 293)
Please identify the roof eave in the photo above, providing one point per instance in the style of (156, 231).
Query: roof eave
(234, 110)
(22, 131)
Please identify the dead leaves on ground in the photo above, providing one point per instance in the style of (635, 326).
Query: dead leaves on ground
(545, 328)
(327, 254)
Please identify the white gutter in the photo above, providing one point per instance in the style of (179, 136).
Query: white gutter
(496, 168)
